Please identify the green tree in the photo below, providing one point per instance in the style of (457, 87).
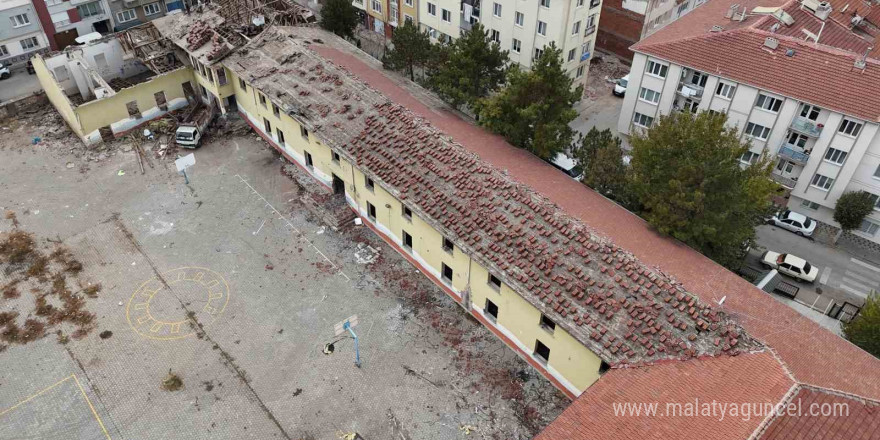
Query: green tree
(851, 209)
(475, 66)
(864, 330)
(339, 17)
(534, 109)
(600, 156)
(687, 176)
(411, 48)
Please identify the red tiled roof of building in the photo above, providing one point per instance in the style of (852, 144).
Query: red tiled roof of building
(814, 413)
(756, 380)
(822, 74)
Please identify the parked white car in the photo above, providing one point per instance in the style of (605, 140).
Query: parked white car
(4, 71)
(794, 222)
(620, 86)
(790, 265)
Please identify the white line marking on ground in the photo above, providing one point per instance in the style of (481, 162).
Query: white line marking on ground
(289, 224)
(260, 228)
(854, 291)
(865, 265)
(825, 274)
(854, 283)
(862, 278)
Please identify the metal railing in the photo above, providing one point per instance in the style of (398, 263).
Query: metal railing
(806, 126)
(793, 155)
(784, 181)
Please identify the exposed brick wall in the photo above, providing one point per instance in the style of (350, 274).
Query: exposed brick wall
(618, 29)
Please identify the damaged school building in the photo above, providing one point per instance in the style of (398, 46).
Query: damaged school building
(588, 314)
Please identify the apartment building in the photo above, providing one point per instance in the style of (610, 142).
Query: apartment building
(65, 20)
(383, 16)
(625, 22)
(524, 28)
(797, 79)
(130, 13)
(20, 33)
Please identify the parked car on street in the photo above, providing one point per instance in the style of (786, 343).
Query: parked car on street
(620, 86)
(567, 165)
(794, 222)
(4, 71)
(790, 265)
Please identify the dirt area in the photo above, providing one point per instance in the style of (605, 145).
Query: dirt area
(604, 70)
(213, 303)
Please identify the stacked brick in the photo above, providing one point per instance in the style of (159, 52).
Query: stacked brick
(199, 34)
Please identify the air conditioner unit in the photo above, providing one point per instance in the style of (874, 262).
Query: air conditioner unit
(823, 11)
(771, 43)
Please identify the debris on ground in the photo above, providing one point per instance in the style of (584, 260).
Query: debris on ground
(172, 382)
(603, 70)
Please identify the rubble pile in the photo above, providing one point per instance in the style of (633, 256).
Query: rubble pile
(604, 70)
(198, 35)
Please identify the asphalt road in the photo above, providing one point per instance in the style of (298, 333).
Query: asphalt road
(19, 84)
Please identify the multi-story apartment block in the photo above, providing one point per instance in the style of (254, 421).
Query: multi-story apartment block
(130, 13)
(65, 20)
(20, 33)
(382, 16)
(798, 79)
(524, 28)
(625, 22)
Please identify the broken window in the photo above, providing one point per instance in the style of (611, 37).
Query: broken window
(311, 164)
(133, 110)
(188, 91)
(448, 246)
(61, 74)
(407, 213)
(542, 352)
(407, 241)
(276, 111)
(369, 183)
(242, 85)
(334, 156)
(106, 133)
(281, 137)
(221, 76)
(160, 100)
(447, 273)
(267, 125)
(494, 282)
(371, 211)
(303, 131)
(547, 324)
(491, 309)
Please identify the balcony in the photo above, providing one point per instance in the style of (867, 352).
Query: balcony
(787, 182)
(786, 151)
(590, 30)
(806, 126)
(691, 91)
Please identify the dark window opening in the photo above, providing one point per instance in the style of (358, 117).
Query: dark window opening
(309, 162)
(494, 282)
(161, 102)
(334, 156)
(603, 367)
(268, 126)
(491, 309)
(280, 136)
(263, 100)
(242, 85)
(276, 111)
(447, 273)
(369, 183)
(304, 132)
(133, 110)
(547, 323)
(542, 352)
(371, 211)
(407, 240)
(407, 213)
(447, 245)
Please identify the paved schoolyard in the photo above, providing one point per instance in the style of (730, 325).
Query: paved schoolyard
(231, 285)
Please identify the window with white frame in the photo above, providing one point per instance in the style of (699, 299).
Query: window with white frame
(408, 2)
(545, 3)
(496, 9)
(642, 120)
(850, 127)
(376, 6)
(538, 53)
(152, 9)
(876, 200)
(809, 205)
(3, 50)
(657, 69)
(90, 9)
(797, 140)
(835, 156)
(822, 182)
(810, 112)
(591, 23)
(756, 131)
(576, 28)
(877, 172)
(126, 15)
(542, 28)
(594, 3)
(580, 71)
(649, 95)
(408, 19)
(869, 227)
(519, 18)
(749, 157)
(29, 43)
(495, 36)
(20, 20)
(768, 103)
(725, 90)
(571, 54)
(516, 46)
(60, 18)
(432, 9)
(446, 15)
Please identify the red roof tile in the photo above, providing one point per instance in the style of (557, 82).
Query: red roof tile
(756, 380)
(819, 414)
(822, 74)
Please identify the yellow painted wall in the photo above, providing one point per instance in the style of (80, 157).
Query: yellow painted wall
(570, 358)
(368, 4)
(56, 95)
(103, 112)
(412, 11)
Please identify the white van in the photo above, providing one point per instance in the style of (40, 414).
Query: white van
(567, 165)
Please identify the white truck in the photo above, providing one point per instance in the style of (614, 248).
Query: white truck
(192, 127)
